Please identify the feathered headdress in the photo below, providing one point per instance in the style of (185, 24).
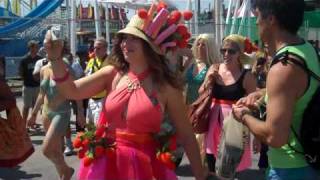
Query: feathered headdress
(161, 29)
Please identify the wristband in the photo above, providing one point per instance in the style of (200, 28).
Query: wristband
(61, 79)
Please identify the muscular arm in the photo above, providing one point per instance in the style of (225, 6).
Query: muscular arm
(285, 84)
(178, 114)
(84, 87)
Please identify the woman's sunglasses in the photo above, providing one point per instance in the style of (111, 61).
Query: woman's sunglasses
(230, 51)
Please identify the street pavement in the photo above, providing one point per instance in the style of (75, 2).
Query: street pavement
(38, 167)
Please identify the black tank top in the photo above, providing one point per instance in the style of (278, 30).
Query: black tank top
(231, 92)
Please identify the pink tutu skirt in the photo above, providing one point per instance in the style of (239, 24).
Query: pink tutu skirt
(134, 159)
(219, 110)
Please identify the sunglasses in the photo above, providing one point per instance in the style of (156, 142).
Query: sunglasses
(230, 51)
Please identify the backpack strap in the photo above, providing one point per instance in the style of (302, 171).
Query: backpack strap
(290, 57)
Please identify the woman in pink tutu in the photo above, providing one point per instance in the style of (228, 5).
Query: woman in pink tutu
(142, 89)
(232, 82)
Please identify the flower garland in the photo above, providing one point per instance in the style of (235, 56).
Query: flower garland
(98, 141)
(94, 143)
(167, 139)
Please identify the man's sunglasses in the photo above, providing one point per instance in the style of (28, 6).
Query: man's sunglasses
(230, 51)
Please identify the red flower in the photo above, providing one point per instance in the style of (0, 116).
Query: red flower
(175, 16)
(187, 15)
(247, 46)
(81, 153)
(171, 20)
(142, 13)
(186, 36)
(87, 161)
(99, 132)
(85, 143)
(167, 159)
(77, 142)
(98, 151)
(182, 29)
(161, 5)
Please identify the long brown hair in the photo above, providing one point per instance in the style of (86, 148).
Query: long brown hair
(158, 64)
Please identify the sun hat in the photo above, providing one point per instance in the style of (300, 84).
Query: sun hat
(161, 29)
(133, 29)
(245, 46)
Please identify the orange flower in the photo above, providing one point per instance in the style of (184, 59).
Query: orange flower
(87, 161)
(77, 142)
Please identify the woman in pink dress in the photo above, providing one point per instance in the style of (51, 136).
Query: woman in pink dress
(232, 82)
(142, 89)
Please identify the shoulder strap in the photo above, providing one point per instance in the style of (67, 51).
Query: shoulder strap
(287, 57)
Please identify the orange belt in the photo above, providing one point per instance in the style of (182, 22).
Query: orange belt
(222, 101)
(140, 138)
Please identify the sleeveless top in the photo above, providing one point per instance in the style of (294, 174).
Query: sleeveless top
(48, 86)
(194, 83)
(130, 109)
(230, 92)
(285, 157)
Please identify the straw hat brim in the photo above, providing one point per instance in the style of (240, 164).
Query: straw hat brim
(138, 33)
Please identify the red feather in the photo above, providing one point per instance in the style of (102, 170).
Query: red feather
(182, 29)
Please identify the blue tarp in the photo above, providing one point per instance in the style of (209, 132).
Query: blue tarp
(43, 10)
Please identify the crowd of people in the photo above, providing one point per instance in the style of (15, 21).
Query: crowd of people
(140, 83)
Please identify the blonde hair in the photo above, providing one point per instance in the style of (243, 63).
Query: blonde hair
(211, 48)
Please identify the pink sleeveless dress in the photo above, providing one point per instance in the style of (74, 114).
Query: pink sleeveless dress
(135, 118)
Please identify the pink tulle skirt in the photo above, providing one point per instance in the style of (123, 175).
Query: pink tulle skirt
(132, 160)
(212, 138)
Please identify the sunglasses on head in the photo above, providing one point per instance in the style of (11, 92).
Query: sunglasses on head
(230, 51)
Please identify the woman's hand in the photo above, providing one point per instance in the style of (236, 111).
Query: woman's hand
(239, 111)
(251, 100)
(53, 47)
(212, 74)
